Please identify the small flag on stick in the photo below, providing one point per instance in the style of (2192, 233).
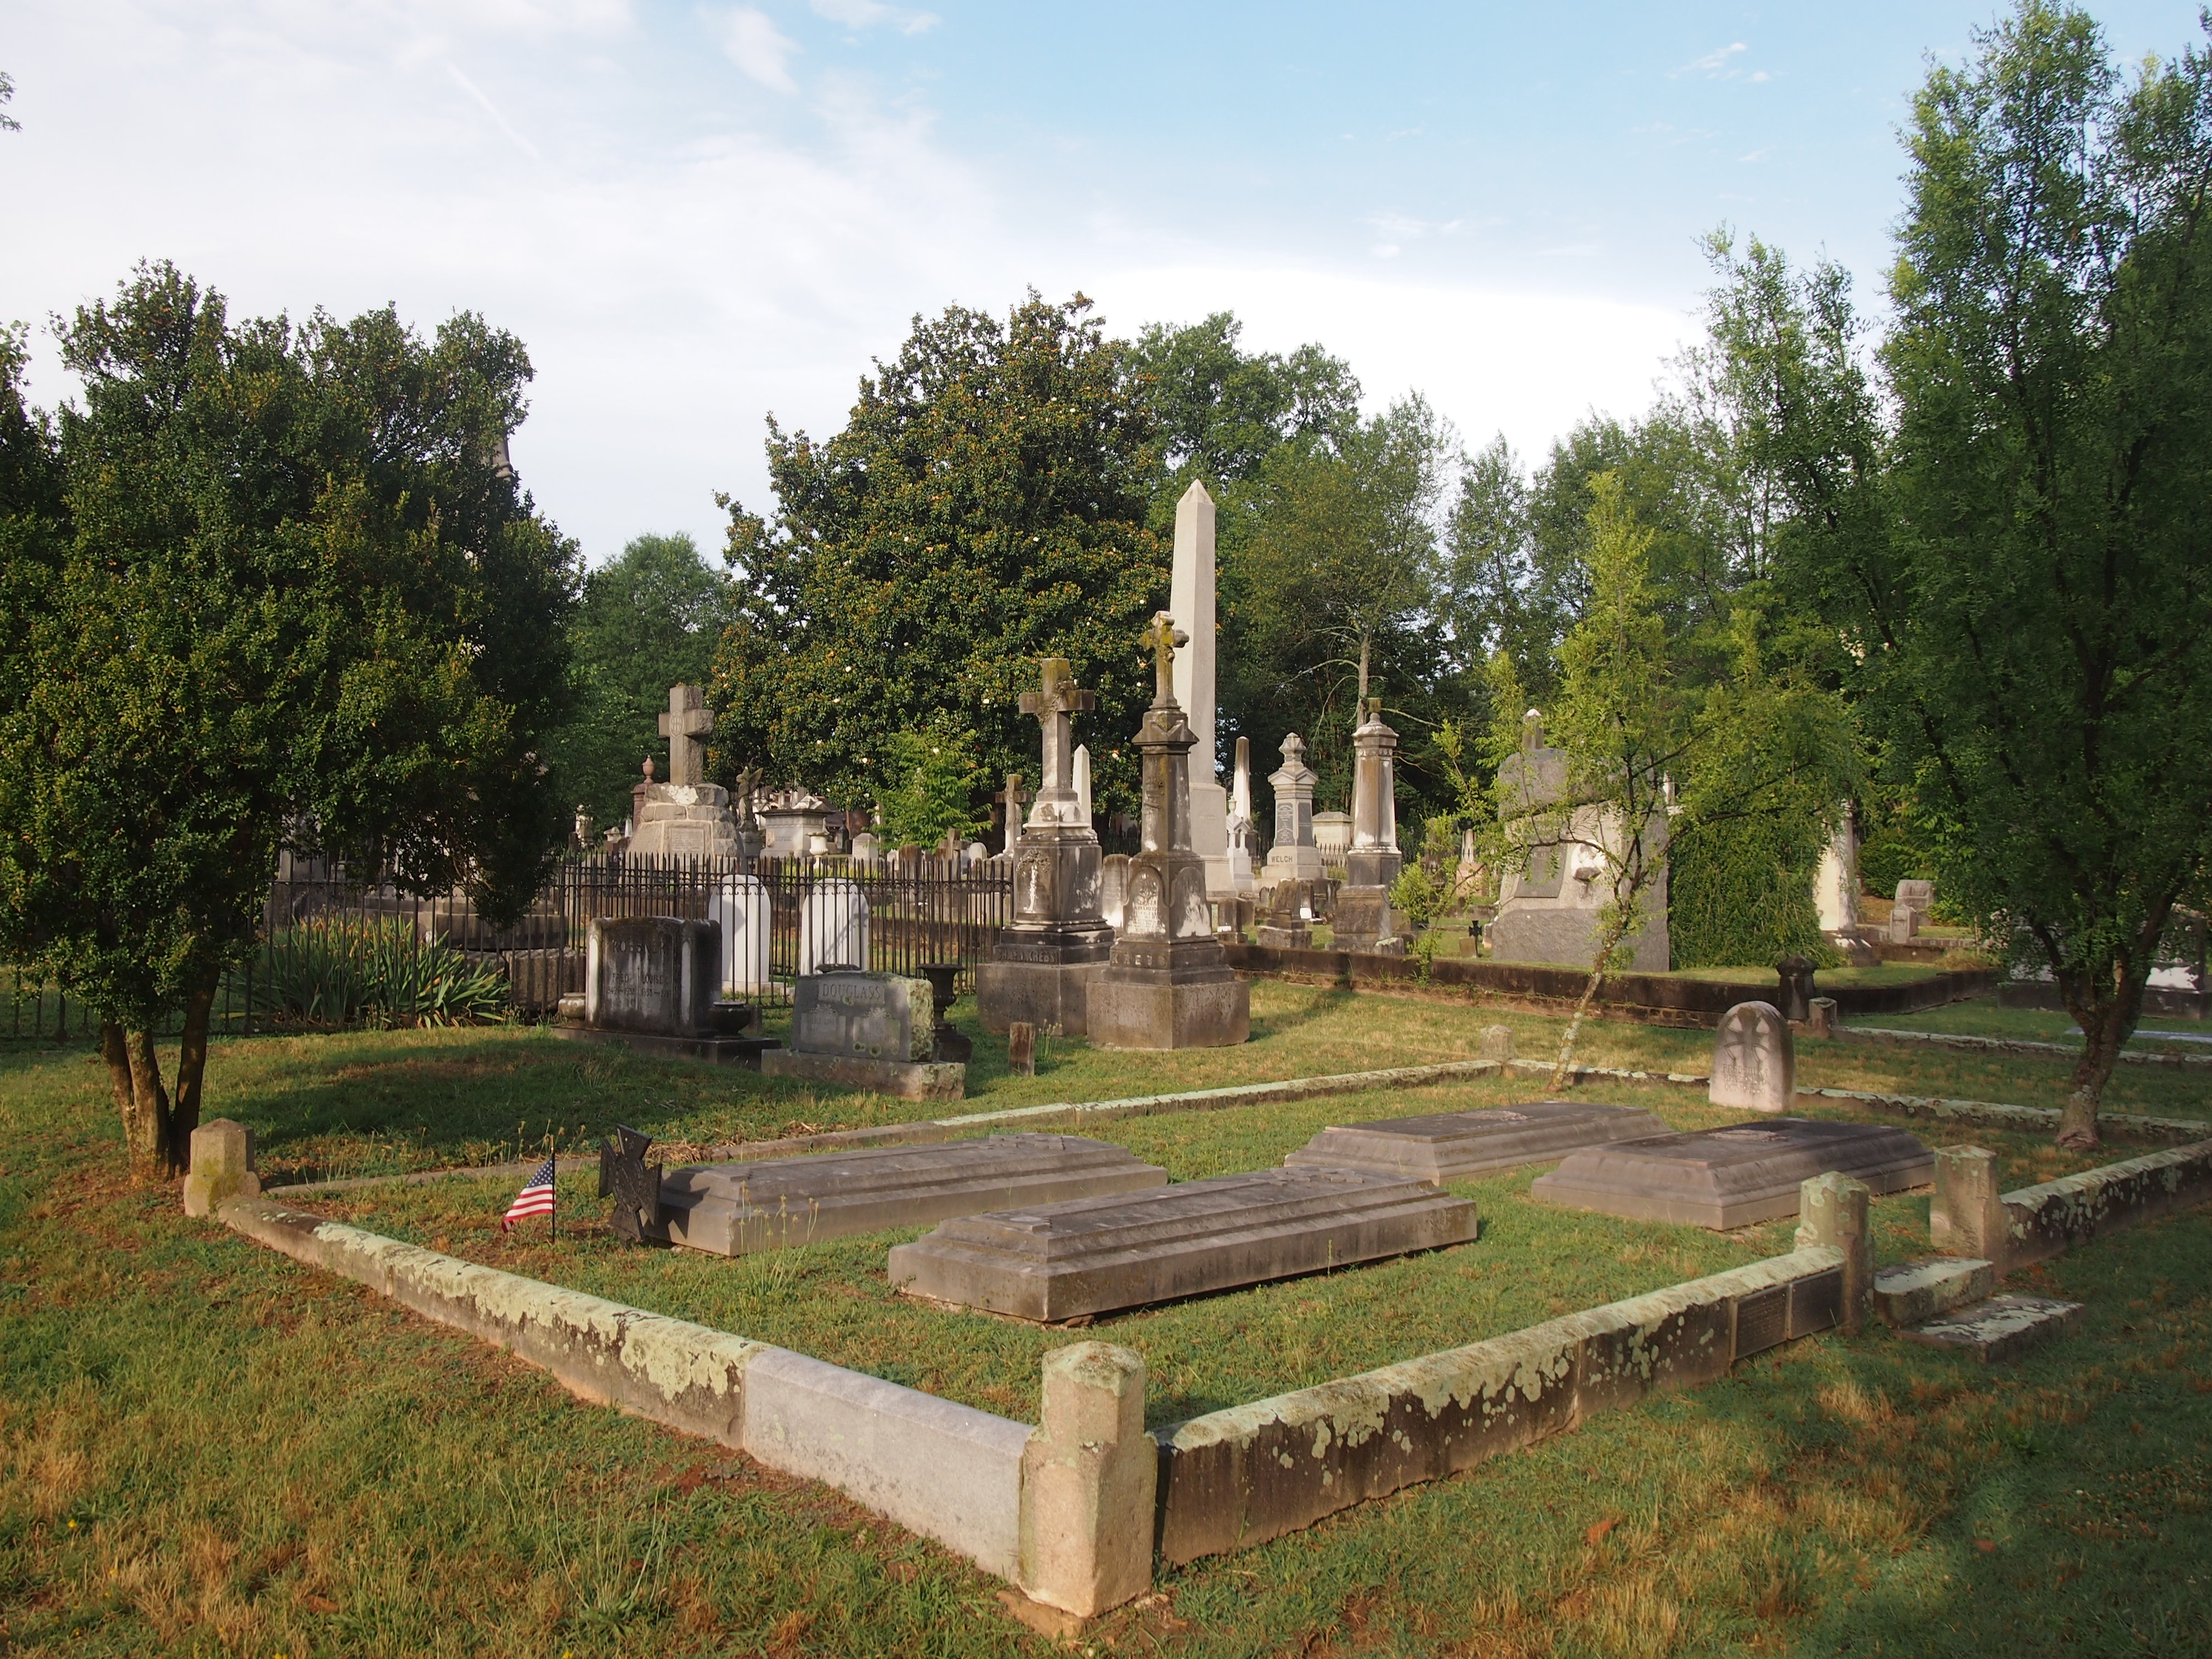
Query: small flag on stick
(535, 1197)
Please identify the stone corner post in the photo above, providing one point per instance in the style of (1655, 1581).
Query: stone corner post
(1967, 1217)
(222, 1166)
(1089, 1475)
(1832, 1210)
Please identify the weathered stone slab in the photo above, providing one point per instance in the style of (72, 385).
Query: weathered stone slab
(1449, 1146)
(1735, 1176)
(735, 1209)
(1093, 1255)
(1999, 1328)
(655, 975)
(1910, 1292)
(867, 1016)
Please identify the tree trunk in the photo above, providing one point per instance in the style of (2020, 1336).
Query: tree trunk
(191, 1064)
(117, 1056)
(153, 1154)
(2106, 1022)
(1366, 648)
(1562, 1069)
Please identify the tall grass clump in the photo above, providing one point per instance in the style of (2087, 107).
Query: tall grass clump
(374, 971)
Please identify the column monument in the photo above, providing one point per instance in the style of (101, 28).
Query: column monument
(1365, 920)
(1167, 984)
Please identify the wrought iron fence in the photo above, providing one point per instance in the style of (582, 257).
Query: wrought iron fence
(335, 952)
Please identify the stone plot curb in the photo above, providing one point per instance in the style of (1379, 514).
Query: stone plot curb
(1969, 1216)
(1236, 1478)
(1998, 1116)
(2009, 1046)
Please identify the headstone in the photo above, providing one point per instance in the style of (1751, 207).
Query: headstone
(792, 821)
(1451, 1146)
(1294, 856)
(1045, 962)
(867, 851)
(735, 1209)
(874, 1031)
(1240, 835)
(1332, 836)
(1365, 920)
(1754, 1059)
(655, 975)
(1284, 922)
(1191, 604)
(1820, 1020)
(1113, 883)
(1795, 974)
(222, 1166)
(833, 926)
(1735, 1176)
(1497, 1043)
(1168, 983)
(1021, 1048)
(741, 906)
(1094, 1255)
(1904, 925)
(1083, 783)
(1919, 894)
(974, 853)
(1010, 801)
(1549, 901)
(686, 817)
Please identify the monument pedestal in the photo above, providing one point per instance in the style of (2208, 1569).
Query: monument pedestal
(1142, 1010)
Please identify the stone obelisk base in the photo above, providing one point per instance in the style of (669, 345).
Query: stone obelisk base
(1192, 1003)
(1045, 994)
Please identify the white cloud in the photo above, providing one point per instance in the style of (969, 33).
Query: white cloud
(1713, 63)
(752, 42)
(866, 14)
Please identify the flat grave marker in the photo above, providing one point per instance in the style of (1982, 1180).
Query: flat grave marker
(1448, 1146)
(736, 1209)
(1733, 1176)
(1093, 1255)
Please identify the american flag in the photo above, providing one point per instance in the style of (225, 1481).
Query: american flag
(535, 1197)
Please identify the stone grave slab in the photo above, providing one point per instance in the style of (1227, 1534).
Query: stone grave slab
(735, 1209)
(1909, 1292)
(1998, 1328)
(1448, 1146)
(1737, 1175)
(1092, 1256)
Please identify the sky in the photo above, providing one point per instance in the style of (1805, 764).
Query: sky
(696, 215)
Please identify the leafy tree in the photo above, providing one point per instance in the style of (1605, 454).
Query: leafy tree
(2018, 566)
(286, 594)
(1330, 582)
(8, 123)
(1223, 411)
(929, 785)
(985, 506)
(650, 619)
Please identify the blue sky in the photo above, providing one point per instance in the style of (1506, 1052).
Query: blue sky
(695, 214)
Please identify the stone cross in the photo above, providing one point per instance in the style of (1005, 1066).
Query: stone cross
(1161, 639)
(686, 725)
(1053, 707)
(1011, 797)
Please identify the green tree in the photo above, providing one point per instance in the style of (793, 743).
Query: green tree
(928, 785)
(288, 594)
(8, 123)
(984, 506)
(2017, 568)
(650, 619)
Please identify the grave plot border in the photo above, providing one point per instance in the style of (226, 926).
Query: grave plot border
(1968, 1217)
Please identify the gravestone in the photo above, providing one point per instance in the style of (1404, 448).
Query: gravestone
(1240, 835)
(1795, 974)
(1045, 962)
(1364, 920)
(833, 926)
(1551, 897)
(735, 1209)
(872, 1031)
(794, 821)
(1094, 1255)
(1010, 801)
(741, 906)
(1191, 604)
(1113, 884)
(1332, 836)
(1735, 1176)
(654, 983)
(867, 851)
(686, 817)
(1083, 784)
(1284, 922)
(1754, 1059)
(1293, 857)
(222, 1166)
(1449, 1146)
(1168, 983)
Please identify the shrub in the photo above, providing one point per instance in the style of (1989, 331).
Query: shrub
(339, 970)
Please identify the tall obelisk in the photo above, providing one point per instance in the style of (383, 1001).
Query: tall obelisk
(1190, 602)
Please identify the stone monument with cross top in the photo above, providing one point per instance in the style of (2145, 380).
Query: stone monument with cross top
(686, 817)
(1042, 968)
(1168, 983)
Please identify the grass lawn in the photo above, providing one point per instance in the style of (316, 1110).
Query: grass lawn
(209, 1449)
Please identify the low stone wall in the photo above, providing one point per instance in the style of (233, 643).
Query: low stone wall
(1236, 1478)
(2066, 1051)
(2161, 1001)
(1540, 987)
(1969, 1217)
